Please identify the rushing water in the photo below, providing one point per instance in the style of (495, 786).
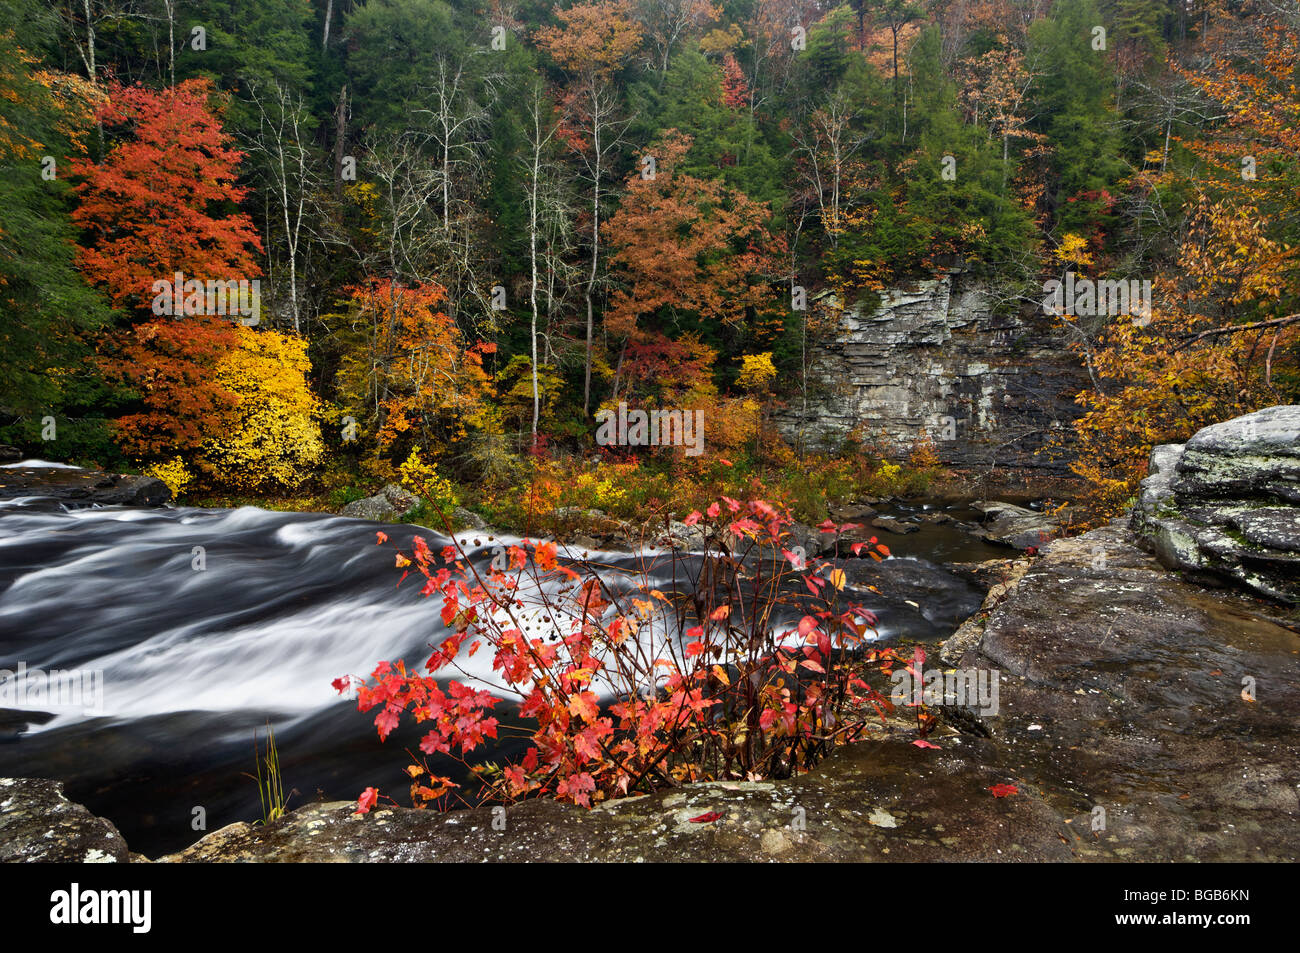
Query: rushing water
(194, 660)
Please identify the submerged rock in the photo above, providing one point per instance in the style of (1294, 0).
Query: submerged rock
(850, 512)
(894, 525)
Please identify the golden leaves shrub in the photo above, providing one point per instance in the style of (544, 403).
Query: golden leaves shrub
(174, 473)
(276, 439)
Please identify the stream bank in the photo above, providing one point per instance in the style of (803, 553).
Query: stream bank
(1121, 724)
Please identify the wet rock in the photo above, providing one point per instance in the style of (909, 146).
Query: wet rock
(9, 454)
(970, 632)
(911, 595)
(1016, 526)
(895, 525)
(984, 574)
(39, 824)
(1121, 700)
(1225, 507)
(841, 544)
(83, 487)
(935, 516)
(850, 512)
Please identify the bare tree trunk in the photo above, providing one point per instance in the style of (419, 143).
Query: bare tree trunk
(171, 39)
(591, 276)
(293, 174)
(89, 56)
(618, 369)
(340, 133)
(534, 198)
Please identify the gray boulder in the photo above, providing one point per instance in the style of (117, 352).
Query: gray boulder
(677, 535)
(467, 519)
(1225, 506)
(389, 504)
(1255, 456)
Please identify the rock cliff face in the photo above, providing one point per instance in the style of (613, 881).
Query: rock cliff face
(936, 358)
(1226, 505)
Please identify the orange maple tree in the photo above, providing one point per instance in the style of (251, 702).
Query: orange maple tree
(162, 199)
(685, 244)
(160, 203)
(594, 38)
(414, 370)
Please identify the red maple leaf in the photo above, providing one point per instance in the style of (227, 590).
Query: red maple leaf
(369, 798)
(708, 818)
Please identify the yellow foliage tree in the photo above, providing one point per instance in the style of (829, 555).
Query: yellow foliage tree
(1224, 335)
(756, 372)
(276, 440)
(1159, 381)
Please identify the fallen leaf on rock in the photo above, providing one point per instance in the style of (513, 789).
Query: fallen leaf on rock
(708, 818)
(1002, 790)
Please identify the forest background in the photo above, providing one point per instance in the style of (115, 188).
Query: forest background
(474, 226)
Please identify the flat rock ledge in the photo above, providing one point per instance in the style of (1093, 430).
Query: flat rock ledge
(1135, 698)
(881, 801)
(1120, 720)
